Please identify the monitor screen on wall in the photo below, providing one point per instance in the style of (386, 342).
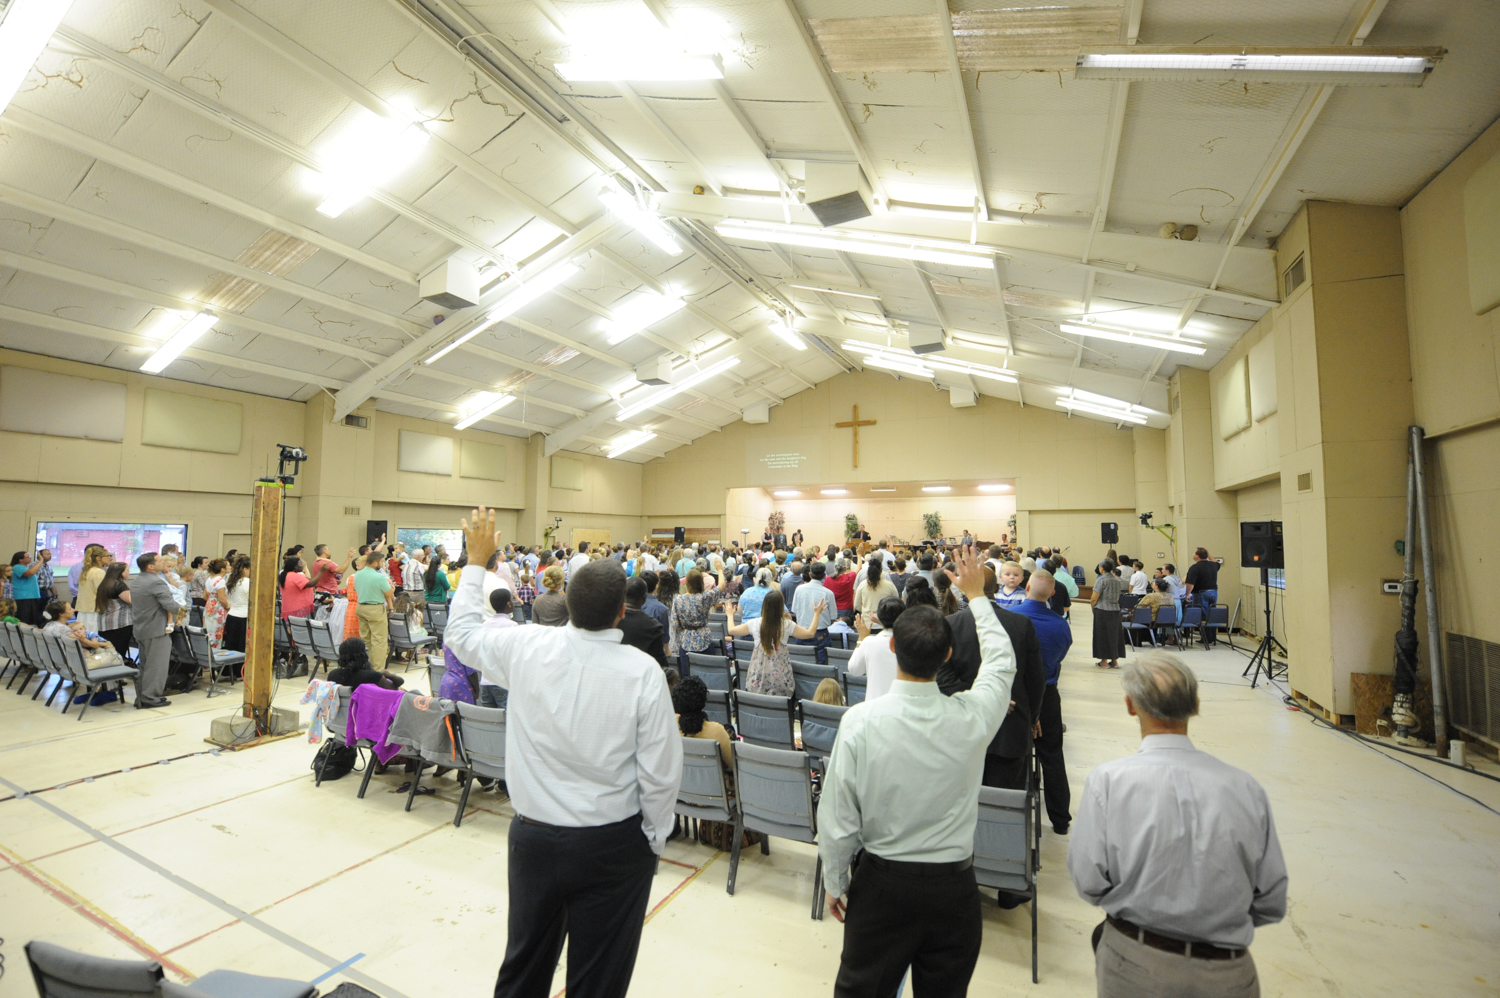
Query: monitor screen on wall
(66, 540)
(415, 537)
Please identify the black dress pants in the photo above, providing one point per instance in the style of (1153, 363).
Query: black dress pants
(1007, 774)
(588, 884)
(930, 923)
(1049, 752)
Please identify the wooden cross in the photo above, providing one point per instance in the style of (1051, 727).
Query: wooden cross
(855, 424)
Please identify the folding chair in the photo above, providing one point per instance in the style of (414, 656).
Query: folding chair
(338, 727)
(703, 794)
(1165, 624)
(301, 639)
(517, 614)
(1139, 622)
(481, 733)
(401, 640)
(854, 689)
(764, 720)
(717, 633)
(1218, 620)
(714, 670)
(1192, 623)
(91, 681)
(745, 647)
(717, 708)
(820, 727)
(37, 660)
(216, 662)
(62, 972)
(839, 658)
(437, 619)
(282, 648)
(1004, 849)
(57, 666)
(775, 794)
(806, 652)
(1128, 603)
(10, 652)
(436, 670)
(325, 650)
(807, 675)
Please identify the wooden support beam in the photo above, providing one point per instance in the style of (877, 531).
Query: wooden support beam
(265, 551)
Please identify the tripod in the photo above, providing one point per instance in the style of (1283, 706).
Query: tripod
(1262, 660)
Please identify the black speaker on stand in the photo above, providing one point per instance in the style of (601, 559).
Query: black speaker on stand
(1109, 533)
(1261, 547)
(375, 530)
(679, 535)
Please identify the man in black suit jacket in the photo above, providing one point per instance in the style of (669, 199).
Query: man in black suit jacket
(640, 629)
(1007, 762)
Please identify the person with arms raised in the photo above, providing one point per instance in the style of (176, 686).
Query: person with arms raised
(593, 762)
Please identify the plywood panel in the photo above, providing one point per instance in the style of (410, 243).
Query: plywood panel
(60, 405)
(191, 422)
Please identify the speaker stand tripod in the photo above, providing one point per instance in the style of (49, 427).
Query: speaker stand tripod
(1262, 660)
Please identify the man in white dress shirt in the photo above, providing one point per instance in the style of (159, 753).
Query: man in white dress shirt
(903, 786)
(578, 560)
(592, 761)
(1180, 851)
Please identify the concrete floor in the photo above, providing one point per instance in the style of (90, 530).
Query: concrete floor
(235, 860)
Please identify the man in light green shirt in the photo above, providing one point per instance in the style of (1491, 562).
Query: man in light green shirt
(903, 785)
(372, 591)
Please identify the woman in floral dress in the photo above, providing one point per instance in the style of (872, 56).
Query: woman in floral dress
(217, 606)
(690, 612)
(771, 662)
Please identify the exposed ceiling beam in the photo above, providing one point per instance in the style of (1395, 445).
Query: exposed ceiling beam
(998, 270)
(956, 75)
(146, 240)
(147, 296)
(1130, 29)
(119, 158)
(484, 386)
(653, 119)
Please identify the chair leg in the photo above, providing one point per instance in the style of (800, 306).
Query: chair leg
(1034, 893)
(765, 844)
(88, 695)
(463, 800)
(734, 851)
(817, 911)
(41, 684)
(416, 781)
(369, 772)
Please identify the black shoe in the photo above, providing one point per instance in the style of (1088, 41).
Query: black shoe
(150, 704)
(1008, 900)
(1060, 829)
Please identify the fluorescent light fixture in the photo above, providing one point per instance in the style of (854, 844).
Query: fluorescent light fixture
(937, 488)
(629, 441)
(659, 397)
(788, 334)
(187, 334)
(28, 26)
(646, 67)
(1134, 338)
(643, 310)
(994, 488)
(1102, 405)
(1073, 405)
(898, 365)
(882, 490)
(523, 293)
(1342, 65)
(899, 359)
(785, 493)
(828, 289)
(482, 405)
(371, 151)
(835, 492)
(1104, 400)
(880, 244)
(640, 219)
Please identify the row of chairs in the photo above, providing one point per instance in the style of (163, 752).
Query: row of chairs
(41, 656)
(721, 673)
(1138, 622)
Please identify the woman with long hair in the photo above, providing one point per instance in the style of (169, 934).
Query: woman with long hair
(667, 585)
(435, 580)
(112, 608)
(237, 585)
(876, 587)
(689, 698)
(296, 588)
(95, 561)
(771, 661)
(355, 668)
(216, 607)
(689, 631)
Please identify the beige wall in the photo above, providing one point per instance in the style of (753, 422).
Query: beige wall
(609, 500)
(1455, 365)
(1252, 455)
(822, 520)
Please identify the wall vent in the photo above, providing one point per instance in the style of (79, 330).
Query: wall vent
(1304, 482)
(352, 510)
(1473, 668)
(1293, 277)
(362, 422)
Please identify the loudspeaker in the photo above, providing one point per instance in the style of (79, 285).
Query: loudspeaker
(1109, 533)
(679, 534)
(374, 530)
(1260, 545)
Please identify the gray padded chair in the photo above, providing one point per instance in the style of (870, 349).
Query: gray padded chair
(764, 720)
(805, 652)
(854, 689)
(233, 984)
(807, 674)
(717, 707)
(24, 652)
(1004, 849)
(91, 681)
(325, 650)
(820, 727)
(704, 793)
(435, 673)
(216, 662)
(37, 659)
(339, 728)
(58, 666)
(839, 658)
(714, 670)
(63, 973)
(302, 640)
(775, 794)
(401, 639)
(481, 730)
(744, 648)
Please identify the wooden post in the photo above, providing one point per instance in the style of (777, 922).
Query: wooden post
(265, 565)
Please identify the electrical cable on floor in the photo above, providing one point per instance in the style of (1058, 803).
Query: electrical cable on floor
(112, 772)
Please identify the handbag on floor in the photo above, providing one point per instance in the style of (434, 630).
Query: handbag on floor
(340, 760)
(720, 835)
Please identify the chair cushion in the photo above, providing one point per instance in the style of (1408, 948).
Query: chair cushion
(110, 672)
(233, 984)
(228, 657)
(93, 972)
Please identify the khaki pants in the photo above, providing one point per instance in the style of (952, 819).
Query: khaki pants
(374, 631)
(1127, 968)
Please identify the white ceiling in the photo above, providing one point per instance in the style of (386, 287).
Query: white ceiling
(155, 141)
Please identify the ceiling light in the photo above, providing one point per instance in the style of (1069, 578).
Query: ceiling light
(24, 33)
(993, 488)
(522, 293)
(891, 357)
(683, 385)
(1129, 416)
(646, 309)
(785, 493)
(830, 290)
(640, 219)
(1134, 338)
(187, 334)
(788, 334)
(937, 488)
(1343, 65)
(646, 67)
(881, 244)
(896, 364)
(370, 152)
(882, 490)
(1104, 400)
(482, 405)
(628, 441)
(835, 492)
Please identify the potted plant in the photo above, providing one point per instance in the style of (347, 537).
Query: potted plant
(851, 525)
(932, 525)
(776, 523)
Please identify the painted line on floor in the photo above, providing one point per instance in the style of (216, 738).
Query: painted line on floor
(92, 912)
(240, 914)
(327, 974)
(99, 776)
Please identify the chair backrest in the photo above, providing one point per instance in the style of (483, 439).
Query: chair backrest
(77, 659)
(717, 707)
(516, 614)
(181, 652)
(807, 675)
(1192, 616)
(802, 651)
(712, 669)
(203, 653)
(1128, 601)
(301, 637)
(774, 791)
(1078, 574)
(281, 635)
(764, 720)
(703, 792)
(1167, 615)
(1003, 840)
(1141, 615)
(744, 647)
(854, 688)
(323, 645)
(195, 616)
(32, 647)
(437, 617)
(63, 973)
(398, 630)
(57, 659)
(1218, 616)
(716, 631)
(8, 642)
(482, 731)
(839, 657)
(435, 672)
(820, 726)
(339, 725)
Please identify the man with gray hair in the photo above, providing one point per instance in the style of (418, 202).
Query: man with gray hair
(1180, 851)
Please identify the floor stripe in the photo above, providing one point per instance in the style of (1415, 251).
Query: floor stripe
(681, 887)
(326, 975)
(244, 916)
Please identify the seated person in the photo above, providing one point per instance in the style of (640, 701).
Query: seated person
(355, 670)
(1159, 596)
(8, 612)
(689, 697)
(830, 692)
(62, 625)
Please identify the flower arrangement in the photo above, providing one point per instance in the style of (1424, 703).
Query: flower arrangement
(776, 523)
(932, 525)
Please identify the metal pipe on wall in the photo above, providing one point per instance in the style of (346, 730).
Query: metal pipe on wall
(1404, 682)
(1429, 576)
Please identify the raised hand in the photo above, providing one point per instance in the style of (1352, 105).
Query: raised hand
(481, 539)
(970, 577)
